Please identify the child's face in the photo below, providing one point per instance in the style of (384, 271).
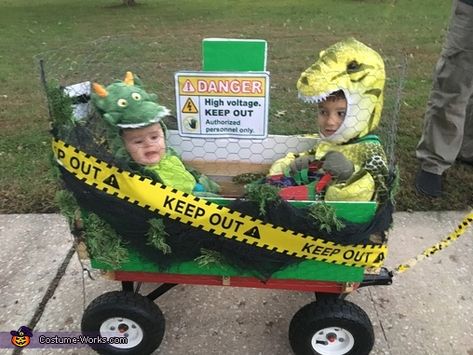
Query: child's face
(331, 115)
(145, 145)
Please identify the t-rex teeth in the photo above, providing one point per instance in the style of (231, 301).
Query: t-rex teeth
(313, 99)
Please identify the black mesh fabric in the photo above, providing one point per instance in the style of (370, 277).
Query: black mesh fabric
(131, 221)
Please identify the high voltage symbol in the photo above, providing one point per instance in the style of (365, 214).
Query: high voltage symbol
(189, 107)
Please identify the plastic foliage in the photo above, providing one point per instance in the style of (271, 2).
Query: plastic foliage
(157, 236)
(325, 218)
(263, 195)
(103, 243)
(60, 106)
(210, 258)
(247, 178)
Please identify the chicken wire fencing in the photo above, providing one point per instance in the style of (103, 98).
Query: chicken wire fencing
(67, 74)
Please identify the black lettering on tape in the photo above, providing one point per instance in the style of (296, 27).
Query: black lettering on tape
(347, 255)
(367, 256)
(75, 162)
(85, 168)
(189, 209)
(306, 248)
(227, 222)
(179, 206)
(96, 171)
(326, 251)
(358, 256)
(60, 154)
(238, 224)
(199, 212)
(215, 219)
(167, 202)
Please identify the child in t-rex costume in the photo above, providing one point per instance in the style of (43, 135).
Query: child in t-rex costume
(350, 75)
(136, 131)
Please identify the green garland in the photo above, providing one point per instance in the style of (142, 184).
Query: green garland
(263, 195)
(325, 218)
(103, 243)
(157, 236)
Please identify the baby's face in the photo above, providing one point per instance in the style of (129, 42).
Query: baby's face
(145, 145)
(331, 115)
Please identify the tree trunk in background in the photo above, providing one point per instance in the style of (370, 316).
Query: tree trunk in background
(129, 2)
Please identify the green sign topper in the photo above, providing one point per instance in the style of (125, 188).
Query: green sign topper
(233, 55)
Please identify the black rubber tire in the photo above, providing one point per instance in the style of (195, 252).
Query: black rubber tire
(122, 304)
(319, 296)
(331, 312)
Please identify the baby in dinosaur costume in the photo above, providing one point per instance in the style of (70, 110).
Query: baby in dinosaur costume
(136, 131)
(347, 84)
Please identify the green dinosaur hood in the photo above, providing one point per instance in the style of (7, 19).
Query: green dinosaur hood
(125, 104)
(356, 69)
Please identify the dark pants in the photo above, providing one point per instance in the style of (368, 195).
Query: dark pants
(448, 126)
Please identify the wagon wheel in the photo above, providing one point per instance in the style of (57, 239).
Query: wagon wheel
(331, 327)
(122, 314)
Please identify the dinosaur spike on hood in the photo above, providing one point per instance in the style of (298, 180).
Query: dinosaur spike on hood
(129, 78)
(99, 90)
(124, 104)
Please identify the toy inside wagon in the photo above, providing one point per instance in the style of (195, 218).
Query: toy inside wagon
(219, 201)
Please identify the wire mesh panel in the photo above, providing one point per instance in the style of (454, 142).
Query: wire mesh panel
(105, 60)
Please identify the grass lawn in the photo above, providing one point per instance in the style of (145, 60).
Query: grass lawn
(165, 36)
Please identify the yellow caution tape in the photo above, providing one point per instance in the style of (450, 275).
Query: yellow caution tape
(209, 216)
(461, 229)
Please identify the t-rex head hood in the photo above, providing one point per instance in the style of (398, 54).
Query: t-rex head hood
(356, 69)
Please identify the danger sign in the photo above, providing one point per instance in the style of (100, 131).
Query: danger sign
(222, 104)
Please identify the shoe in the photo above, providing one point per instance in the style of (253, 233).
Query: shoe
(429, 184)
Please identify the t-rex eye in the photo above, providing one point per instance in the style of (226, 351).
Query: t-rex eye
(353, 66)
(135, 96)
(122, 103)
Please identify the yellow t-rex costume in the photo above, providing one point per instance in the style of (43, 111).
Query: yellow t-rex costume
(358, 70)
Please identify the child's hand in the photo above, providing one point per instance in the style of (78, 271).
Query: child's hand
(338, 166)
(301, 163)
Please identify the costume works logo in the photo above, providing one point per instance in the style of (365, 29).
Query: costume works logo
(21, 337)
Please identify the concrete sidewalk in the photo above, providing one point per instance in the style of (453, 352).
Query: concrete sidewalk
(428, 310)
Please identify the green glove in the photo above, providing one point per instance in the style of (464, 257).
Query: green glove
(338, 166)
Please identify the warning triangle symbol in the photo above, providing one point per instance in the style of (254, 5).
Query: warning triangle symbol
(112, 181)
(379, 258)
(189, 107)
(188, 87)
(253, 232)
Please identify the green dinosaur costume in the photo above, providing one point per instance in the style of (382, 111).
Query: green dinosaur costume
(126, 105)
(358, 71)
